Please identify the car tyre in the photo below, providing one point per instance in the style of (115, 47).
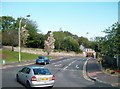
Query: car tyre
(17, 78)
(28, 85)
(48, 62)
(45, 63)
(50, 86)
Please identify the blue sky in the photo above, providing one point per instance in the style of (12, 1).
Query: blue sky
(75, 17)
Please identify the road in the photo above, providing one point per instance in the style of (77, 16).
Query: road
(68, 73)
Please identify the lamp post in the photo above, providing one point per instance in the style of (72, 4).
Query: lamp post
(19, 57)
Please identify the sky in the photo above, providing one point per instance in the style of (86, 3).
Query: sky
(87, 19)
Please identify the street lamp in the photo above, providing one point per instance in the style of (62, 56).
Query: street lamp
(19, 59)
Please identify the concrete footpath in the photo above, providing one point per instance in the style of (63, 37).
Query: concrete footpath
(95, 73)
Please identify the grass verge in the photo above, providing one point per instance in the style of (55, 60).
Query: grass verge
(12, 56)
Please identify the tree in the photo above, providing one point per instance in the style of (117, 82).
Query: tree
(7, 23)
(59, 37)
(70, 44)
(9, 27)
(84, 41)
(9, 34)
(49, 43)
(110, 45)
(34, 39)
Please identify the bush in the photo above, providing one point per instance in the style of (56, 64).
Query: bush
(110, 71)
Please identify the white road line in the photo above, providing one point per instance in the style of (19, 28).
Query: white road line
(58, 65)
(68, 65)
(65, 68)
(69, 70)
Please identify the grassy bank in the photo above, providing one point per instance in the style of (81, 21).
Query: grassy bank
(12, 56)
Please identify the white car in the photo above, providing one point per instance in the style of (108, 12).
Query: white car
(35, 76)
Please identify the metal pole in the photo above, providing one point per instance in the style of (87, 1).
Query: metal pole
(19, 59)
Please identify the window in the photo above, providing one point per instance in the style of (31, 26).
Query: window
(38, 71)
(40, 57)
(27, 71)
(23, 70)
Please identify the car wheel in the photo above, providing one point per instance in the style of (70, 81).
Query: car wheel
(28, 85)
(36, 63)
(17, 78)
(50, 86)
(49, 62)
(45, 63)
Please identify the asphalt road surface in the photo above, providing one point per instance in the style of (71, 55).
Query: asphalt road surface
(68, 73)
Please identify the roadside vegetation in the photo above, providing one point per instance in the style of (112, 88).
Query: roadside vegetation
(108, 52)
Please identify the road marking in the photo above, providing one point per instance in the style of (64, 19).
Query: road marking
(64, 60)
(66, 69)
(59, 61)
(70, 70)
(68, 65)
(77, 66)
(58, 65)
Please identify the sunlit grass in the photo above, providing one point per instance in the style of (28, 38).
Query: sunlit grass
(12, 56)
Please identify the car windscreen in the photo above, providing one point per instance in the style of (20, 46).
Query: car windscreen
(40, 71)
(41, 57)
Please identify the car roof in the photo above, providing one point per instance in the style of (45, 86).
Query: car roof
(42, 56)
(34, 66)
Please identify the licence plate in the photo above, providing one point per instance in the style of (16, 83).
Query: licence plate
(44, 79)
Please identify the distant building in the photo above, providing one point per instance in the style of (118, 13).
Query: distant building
(82, 47)
(88, 52)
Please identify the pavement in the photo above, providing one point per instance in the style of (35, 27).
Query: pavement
(95, 73)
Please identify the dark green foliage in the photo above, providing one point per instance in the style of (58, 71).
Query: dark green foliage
(36, 41)
(70, 44)
(110, 46)
(9, 33)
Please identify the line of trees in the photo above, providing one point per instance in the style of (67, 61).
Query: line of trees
(64, 40)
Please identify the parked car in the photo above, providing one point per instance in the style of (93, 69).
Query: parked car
(35, 76)
(42, 59)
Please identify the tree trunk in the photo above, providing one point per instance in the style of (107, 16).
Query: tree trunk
(12, 48)
(48, 53)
